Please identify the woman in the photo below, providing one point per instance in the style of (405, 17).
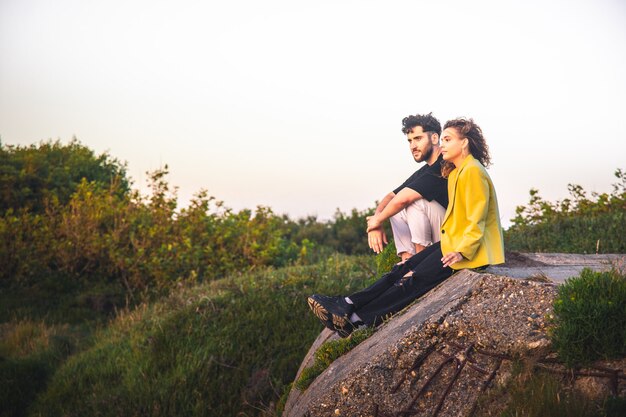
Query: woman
(471, 237)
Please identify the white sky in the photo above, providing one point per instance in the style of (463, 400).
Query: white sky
(298, 105)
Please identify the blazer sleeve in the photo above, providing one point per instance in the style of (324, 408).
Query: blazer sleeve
(476, 199)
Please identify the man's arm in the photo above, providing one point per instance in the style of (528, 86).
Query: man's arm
(376, 238)
(397, 202)
(381, 206)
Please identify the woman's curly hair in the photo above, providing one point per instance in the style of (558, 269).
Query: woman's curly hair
(470, 130)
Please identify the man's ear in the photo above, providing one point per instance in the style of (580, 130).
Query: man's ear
(434, 139)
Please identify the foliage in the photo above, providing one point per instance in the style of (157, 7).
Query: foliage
(542, 395)
(31, 176)
(29, 353)
(590, 318)
(578, 224)
(134, 245)
(77, 239)
(530, 392)
(345, 233)
(387, 259)
(327, 353)
(615, 407)
(226, 347)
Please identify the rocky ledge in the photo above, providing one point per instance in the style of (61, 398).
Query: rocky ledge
(441, 354)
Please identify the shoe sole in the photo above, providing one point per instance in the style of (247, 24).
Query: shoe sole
(318, 309)
(321, 313)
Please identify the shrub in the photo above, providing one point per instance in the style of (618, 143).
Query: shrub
(590, 318)
(386, 259)
(70, 224)
(345, 233)
(31, 176)
(578, 224)
(132, 246)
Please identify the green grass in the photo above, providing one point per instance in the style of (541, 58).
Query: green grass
(542, 395)
(225, 348)
(29, 353)
(537, 393)
(590, 318)
(327, 353)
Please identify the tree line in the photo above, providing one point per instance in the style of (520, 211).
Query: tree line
(70, 219)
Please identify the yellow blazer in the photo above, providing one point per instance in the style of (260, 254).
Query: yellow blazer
(471, 224)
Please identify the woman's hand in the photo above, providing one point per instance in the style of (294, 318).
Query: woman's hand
(451, 258)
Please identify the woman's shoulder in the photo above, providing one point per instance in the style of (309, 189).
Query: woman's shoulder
(473, 172)
(474, 167)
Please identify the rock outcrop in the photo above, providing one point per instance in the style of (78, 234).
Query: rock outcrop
(438, 356)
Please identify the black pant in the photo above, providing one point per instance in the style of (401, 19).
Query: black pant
(391, 293)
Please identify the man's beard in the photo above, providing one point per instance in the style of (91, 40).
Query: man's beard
(426, 155)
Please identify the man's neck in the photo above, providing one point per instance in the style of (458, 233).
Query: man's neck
(434, 156)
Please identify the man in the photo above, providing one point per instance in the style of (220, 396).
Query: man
(416, 208)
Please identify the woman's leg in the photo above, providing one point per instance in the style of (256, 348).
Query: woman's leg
(426, 275)
(371, 293)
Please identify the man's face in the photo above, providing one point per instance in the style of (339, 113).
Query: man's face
(420, 144)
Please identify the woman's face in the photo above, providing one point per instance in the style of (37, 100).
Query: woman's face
(452, 144)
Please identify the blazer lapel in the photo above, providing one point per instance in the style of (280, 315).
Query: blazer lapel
(456, 180)
(451, 202)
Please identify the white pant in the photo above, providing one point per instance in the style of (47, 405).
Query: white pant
(418, 223)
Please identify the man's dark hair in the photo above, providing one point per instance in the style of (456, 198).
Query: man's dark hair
(426, 121)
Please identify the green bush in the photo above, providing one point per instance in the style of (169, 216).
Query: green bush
(86, 230)
(386, 259)
(584, 233)
(32, 176)
(579, 224)
(345, 233)
(223, 348)
(590, 318)
(132, 246)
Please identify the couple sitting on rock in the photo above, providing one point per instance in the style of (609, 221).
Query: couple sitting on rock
(432, 241)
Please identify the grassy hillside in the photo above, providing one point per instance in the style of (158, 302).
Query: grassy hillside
(224, 348)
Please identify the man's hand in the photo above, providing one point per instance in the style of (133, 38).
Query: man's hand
(451, 258)
(376, 239)
(373, 223)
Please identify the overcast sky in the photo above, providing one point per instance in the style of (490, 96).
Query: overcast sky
(298, 105)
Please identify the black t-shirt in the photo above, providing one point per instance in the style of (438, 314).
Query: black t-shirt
(429, 183)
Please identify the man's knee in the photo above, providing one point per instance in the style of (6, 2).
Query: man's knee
(399, 224)
(418, 205)
(398, 218)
